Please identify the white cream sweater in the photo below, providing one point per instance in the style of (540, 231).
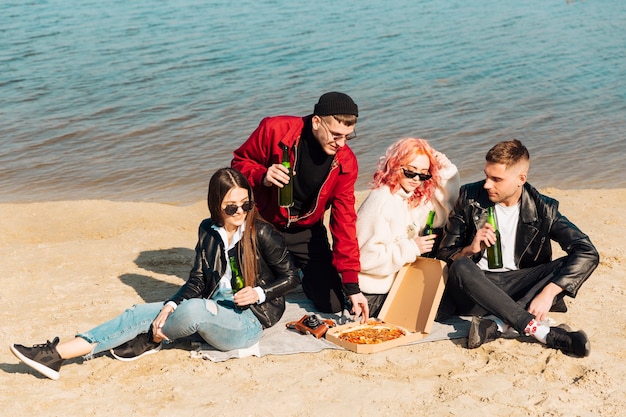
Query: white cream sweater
(385, 227)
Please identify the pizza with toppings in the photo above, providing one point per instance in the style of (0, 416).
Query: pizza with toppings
(372, 333)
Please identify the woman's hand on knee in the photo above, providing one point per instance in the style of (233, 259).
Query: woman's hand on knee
(159, 322)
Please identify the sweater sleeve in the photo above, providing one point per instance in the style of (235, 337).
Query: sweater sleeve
(383, 250)
(450, 184)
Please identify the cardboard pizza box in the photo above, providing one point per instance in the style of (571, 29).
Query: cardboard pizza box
(412, 304)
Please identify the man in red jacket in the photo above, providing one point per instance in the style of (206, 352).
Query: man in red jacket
(324, 173)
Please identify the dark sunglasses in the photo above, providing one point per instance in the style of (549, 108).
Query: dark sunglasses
(411, 174)
(232, 209)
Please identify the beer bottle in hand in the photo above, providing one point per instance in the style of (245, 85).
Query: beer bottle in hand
(236, 281)
(494, 252)
(285, 194)
(428, 229)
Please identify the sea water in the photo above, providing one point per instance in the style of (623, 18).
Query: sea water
(143, 100)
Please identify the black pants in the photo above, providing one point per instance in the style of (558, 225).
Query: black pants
(375, 303)
(320, 281)
(505, 294)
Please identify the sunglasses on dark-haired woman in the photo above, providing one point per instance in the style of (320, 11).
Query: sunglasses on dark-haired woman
(232, 209)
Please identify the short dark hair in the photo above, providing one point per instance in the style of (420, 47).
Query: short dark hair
(508, 152)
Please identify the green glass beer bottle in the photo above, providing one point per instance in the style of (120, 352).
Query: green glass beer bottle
(428, 229)
(236, 281)
(494, 252)
(285, 194)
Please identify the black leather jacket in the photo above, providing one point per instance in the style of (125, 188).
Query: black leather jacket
(277, 273)
(540, 222)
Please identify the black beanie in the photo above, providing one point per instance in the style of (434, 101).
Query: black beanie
(334, 103)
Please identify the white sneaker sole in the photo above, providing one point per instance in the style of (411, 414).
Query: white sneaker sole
(134, 358)
(50, 373)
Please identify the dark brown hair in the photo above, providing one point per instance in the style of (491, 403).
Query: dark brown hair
(220, 184)
(346, 119)
(508, 152)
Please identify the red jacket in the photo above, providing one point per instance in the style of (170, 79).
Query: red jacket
(263, 148)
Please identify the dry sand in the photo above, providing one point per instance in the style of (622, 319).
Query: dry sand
(67, 266)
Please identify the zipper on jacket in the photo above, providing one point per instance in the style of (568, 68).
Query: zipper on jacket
(543, 239)
(294, 149)
(333, 166)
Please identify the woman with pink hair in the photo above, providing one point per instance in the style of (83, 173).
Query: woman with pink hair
(412, 179)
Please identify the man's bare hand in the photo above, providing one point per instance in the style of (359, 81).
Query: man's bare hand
(277, 175)
(484, 238)
(359, 306)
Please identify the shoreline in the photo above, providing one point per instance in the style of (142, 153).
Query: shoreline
(185, 203)
(70, 265)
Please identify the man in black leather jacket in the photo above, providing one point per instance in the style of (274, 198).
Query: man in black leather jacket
(521, 293)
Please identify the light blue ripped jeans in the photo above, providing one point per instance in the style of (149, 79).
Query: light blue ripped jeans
(221, 326)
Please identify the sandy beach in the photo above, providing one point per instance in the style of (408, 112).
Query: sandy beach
(67, 266)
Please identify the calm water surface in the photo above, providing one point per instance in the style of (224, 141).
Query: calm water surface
(143, 100)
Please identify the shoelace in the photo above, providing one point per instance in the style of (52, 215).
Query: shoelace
(48, 346)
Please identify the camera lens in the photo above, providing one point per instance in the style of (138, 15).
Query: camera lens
(312, 321)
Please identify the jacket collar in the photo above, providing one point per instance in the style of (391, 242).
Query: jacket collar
(528, 211)
(528, 208)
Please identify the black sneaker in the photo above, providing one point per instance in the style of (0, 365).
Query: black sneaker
(575, 343)
(134, 349)
(43, 358)
(481, 331)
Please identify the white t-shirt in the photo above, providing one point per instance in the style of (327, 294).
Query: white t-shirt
(507, 218)
(224, 284)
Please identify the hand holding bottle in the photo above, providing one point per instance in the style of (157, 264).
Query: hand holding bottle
(427, 239)
(425, 243)
(245, 297)
(277, 175)
(494, 252)
(285, 194)
(484, 238)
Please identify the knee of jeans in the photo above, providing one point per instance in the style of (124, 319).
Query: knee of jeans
(211, 307)
(458, 270)
(461, 263)
(190, 307)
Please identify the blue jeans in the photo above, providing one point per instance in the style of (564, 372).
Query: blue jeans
(220, 325)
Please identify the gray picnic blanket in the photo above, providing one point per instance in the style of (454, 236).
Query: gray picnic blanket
(279, 340)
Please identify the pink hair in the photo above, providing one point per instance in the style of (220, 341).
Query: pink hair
(400, 154)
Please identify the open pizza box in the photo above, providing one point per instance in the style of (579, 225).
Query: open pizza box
(411, 305)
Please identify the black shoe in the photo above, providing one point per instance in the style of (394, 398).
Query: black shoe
(134, 349)
(482, 331)
(43, 358)
(575, 343)
(559, 306)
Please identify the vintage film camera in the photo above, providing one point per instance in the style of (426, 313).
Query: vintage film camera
(311, 324)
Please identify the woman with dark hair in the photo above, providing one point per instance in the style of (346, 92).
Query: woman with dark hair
(412, 179)
(233, 242)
